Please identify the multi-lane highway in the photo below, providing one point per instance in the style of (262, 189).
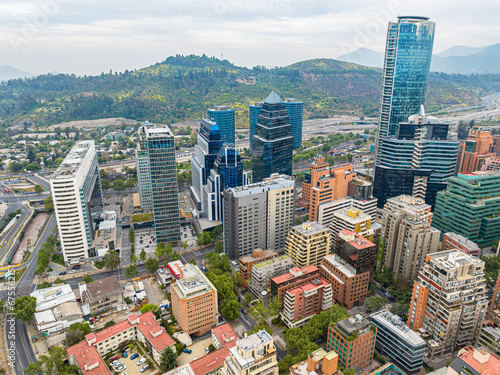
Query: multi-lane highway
(8, 236)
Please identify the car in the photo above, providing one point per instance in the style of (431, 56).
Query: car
(125, 355)
(141, 263)
(118, 364)
(144, 368)
(123, 373)
(141, 361)
(188, 351)
(113, 363)
(62, 273)
(244, 311)
(207, 350)
(114, 358)
(134, 356)
(120, 369)
(77, 267)
(72, 271)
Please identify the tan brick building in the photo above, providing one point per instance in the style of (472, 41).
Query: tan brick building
(308, 243)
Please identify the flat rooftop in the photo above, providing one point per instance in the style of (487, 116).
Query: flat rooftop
(311, 228)
(73, 161)
(271, 261)
(453, 259)
(341, 265)
(356, 323)
(158, 131)
(464, 241)
(352, 215)
(394, 324)
(409, 201)
(192, 282)
(272, 183)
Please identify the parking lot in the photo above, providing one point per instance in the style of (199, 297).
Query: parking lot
(131, 365)
(198, 350)
(145, 239)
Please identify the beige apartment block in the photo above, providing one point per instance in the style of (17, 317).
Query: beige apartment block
(308, 243)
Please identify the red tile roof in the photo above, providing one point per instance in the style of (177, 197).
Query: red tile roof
(288, 276)
(226, 335)
(489, 367)
(209, 362)
(309, 286)
(150, 328)
(86, 356)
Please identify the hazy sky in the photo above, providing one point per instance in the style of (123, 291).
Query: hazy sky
(91, 36)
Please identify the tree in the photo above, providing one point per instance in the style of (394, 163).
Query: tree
(218, 247)
(76, 333)
(374, 303)
(168, 360)
(152, 264)
(149, 307)
(175, 256)
(24, 307)
(131, 235)
(491, 269)
(111, 260)
(193, 261)
(204, 238)
(260, 312)
(231, 309)
(168, 250)
(301, 175)
(218, 261)
(87, 279)
(142, 255)
(223, 283)
(109, 324)
(38, 188)
(49, 205)
(131, 271)
(54, 363)
(160, 250)
(248, 298)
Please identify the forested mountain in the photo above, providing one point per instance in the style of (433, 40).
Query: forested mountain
(183, 87)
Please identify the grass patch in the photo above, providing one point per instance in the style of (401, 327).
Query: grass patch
(141, 217)
(59, 259)
(20, 273)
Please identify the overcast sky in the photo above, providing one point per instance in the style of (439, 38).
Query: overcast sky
(94, 36)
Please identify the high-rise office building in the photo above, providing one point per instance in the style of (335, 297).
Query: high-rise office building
(258, 215)
(406, 236)
(144, 175)
(202, 162)
(73, 185)
(408, 54)
(308, 243)
(157, 143)
(296, 112)
(254, 113)
(449, 301)
(272, 144)
(420, 144)
(227, 172)
(470, 206)
(225, 120)
(475, 150)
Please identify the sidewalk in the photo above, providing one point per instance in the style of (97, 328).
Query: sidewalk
(39, 347)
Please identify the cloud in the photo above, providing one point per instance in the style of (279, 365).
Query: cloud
(90, 36)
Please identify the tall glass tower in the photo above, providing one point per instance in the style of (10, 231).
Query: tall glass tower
(272, 148)
(254, 118)
(224, 118)
(295, 111)
(408, 53)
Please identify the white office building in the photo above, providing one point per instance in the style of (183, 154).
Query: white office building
(73, 185)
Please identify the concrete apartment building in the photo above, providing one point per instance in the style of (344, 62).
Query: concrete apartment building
(397, 342)
(472, 360)
(252, 355)
(354, 341)
(258, 215)
(318, 362)
(457, 241)
(406, 236)
(356, 250)
(257, 256)
(350, 288)
(353, 220)
(303, 302)
(489, 338)
(73, 185)
(263, 272)
(194, 301)
(308, 243)
(326, 211)
(101, 296)
(294, 278)
(449, 301)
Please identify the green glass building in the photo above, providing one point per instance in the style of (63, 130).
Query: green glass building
(470, 206)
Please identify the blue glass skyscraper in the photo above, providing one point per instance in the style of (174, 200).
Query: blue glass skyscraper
(224, 118)
(254, 118)
(295, 111)
(407, 63)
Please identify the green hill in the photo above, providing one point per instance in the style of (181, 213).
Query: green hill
(183, 87)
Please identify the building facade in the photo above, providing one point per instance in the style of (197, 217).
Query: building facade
(272, 144)
(354, 341)
(350, 288)
(408, 53)
(449, 301)
(456, 241)
(194, 301)
(489, 338)
(356, 250)
(470, 206)
(258, 215)
(477, 147)
(318, 362)
(247, 262)
(101, 296)
(292, 279)
(74, 184)
(396, 341)
(158, 143)
(308, 243)
(295, 111)
(355, 221)
(263, 272)
(225, 120)
(254, 112)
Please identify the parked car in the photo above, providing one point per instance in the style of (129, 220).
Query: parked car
(118, 364)
(144, 368)
(134, 356)
(207, 350)
(188, 351)
(141, 361)
(72, 272)
(120, 369)
(125, 355)
(114, 358)
(77, 267)
(244, 311)
(113, 363)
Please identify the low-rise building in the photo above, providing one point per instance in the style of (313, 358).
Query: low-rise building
(358, 251)
(194, 301)
(472, 360)
(101, 296)
(164, 276)
(457, 241)
(354, 341)
(350, 288)
(175, 268)
(397, 342)
(252, 355)
(489, 338)
(257, 256)
(303, 302)
(224, 335)
(318, 362)
(263, 272)
(88, 354)
(294, 278)
(210, 364)
(308, 243)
